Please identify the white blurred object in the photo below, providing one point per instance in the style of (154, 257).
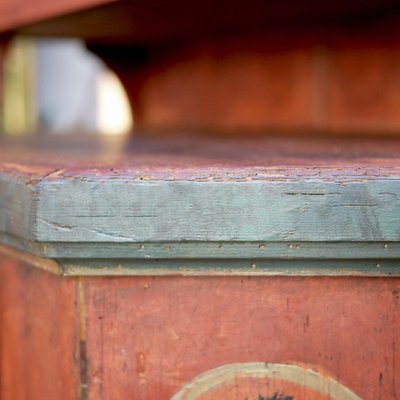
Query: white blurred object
(114, 115)
(66, 85)
(76, 92)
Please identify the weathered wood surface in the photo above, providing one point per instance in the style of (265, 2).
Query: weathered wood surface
(270, 190)
(39, 334)
(217, 250)
(242, 261)
(227, 211)
(150, 337)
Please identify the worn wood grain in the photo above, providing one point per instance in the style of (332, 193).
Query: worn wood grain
(263, 209)
(272, 190)
(149, 337)
(39, 336)
(17, 202)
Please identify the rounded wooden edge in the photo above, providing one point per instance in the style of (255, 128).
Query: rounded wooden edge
(307, 377)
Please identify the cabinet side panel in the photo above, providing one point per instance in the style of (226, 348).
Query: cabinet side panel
(39, 336)
(147, 337)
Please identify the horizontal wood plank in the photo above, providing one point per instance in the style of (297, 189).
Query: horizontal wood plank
(269, 190)
(260, 210)
(230, 267)
(217, 250)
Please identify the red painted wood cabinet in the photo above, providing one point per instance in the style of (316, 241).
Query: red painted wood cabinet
(243, 243)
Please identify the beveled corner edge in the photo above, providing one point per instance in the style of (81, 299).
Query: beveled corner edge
(45, 264)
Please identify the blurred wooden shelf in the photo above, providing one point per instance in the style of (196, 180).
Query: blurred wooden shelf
(142, 22)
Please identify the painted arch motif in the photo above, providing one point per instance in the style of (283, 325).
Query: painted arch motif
(264, 381)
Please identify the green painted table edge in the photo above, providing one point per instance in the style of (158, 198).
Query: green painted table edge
(311, 224)
(130, 210)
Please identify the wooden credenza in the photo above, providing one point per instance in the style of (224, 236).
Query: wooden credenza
(243, 243)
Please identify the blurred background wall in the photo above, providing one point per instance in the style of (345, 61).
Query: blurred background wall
(58, 86)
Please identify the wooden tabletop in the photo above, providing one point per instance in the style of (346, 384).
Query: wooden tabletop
(139, 197)
(184, 151)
